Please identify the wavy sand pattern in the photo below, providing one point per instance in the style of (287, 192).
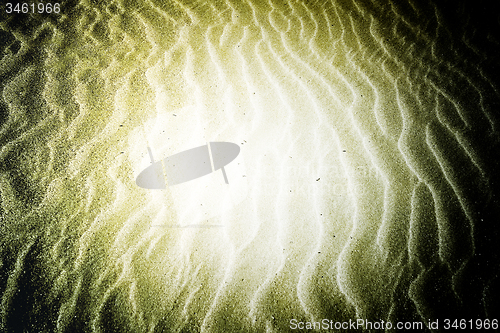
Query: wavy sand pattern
(366, 187)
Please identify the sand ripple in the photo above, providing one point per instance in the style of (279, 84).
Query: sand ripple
(366, 186)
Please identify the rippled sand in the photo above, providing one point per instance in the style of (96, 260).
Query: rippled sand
(366, 186)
